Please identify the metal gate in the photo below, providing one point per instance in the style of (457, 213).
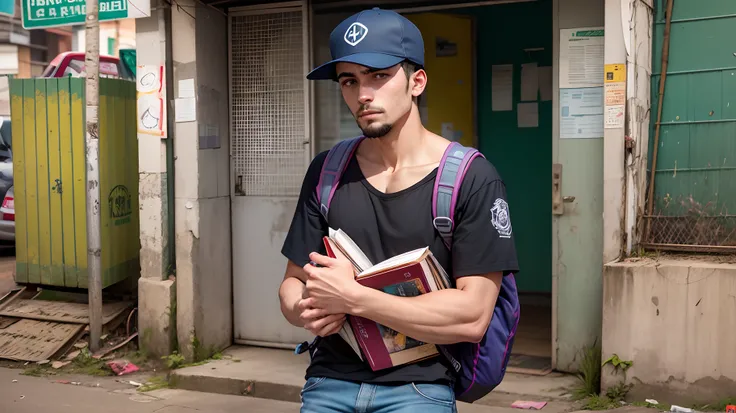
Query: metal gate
(270, 152)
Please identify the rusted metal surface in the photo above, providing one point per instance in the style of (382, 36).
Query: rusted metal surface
(59, 311)
(33, 340)
(721, 249)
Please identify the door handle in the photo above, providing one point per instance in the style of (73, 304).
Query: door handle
(568, 199)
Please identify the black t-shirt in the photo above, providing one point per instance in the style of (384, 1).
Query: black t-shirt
(384, 225)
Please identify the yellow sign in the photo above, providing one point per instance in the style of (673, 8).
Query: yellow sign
(615, 73)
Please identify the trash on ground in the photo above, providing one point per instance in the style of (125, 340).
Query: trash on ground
(59, 364)
(680, 409)
(121, 367)
(73, 355)
(15, 381)
(651, 401)
(135, 383)
(520, 404)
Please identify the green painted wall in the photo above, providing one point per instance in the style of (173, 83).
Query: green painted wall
(696, 166)
(523, 156)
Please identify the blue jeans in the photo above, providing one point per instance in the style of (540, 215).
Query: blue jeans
(323, 395)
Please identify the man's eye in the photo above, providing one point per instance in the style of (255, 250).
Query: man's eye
(381, 75)
(348, 83)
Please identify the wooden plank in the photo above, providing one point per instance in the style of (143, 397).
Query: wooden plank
(55, 183)
(67, 182)
(19, 177)
(33, 340)
(80, 178)
(42, 165)
(29, 148)
(60, 311)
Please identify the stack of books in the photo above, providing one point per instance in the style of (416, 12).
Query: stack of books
(409, 274)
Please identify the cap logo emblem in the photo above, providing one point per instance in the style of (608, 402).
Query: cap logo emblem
(355, 33)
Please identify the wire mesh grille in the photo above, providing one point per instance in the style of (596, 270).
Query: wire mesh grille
(686, 224)
(268, 113)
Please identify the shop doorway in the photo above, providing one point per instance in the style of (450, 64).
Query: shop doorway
(490, 71)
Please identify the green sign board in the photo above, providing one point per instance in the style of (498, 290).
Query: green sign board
(52, 13)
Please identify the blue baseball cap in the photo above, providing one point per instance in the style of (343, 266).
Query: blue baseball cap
(374, 38)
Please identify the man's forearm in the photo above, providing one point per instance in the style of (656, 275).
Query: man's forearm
(291, 291)
(441, 317)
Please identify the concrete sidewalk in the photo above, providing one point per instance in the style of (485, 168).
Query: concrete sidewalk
(25, 394)
(279, 375)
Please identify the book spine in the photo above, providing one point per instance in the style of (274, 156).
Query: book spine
(371, 343)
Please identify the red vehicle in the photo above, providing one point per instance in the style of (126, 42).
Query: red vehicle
(72, 64)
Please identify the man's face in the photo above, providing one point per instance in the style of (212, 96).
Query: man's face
(376, 98)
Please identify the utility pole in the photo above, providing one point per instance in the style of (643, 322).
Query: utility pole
(92, 89)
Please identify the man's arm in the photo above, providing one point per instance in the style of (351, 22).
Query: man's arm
(440, 317)
(292, 292)
(447, 316)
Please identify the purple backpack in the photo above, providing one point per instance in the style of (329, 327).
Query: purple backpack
(480, 367)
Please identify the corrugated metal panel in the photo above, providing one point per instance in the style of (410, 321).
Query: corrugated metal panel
(49, 172)
(695, 182)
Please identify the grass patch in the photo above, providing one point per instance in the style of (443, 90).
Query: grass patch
(596, 402)
(155, 383)
(37, 371)
(589, 374)
(715, 407)
(85, 364)
(660, 407)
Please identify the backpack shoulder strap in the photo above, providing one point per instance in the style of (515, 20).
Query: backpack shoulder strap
(452, 169)
(334, 166)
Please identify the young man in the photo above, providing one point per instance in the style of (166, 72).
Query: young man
(383, 203)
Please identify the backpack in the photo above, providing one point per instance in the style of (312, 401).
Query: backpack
(479, 367)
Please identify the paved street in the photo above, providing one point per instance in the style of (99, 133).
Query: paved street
(39, 394)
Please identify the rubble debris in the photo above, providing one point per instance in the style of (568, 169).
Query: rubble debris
(122, 367)
(521, 404)
(59, 364)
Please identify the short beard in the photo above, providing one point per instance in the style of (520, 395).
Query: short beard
(370, 132)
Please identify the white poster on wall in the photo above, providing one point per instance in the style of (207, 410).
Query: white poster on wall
(581, 113)
(581, 57)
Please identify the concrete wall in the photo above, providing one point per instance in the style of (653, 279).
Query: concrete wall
(676, 320)
(156, 292)
(202, 204)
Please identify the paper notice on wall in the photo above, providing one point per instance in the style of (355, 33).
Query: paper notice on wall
(527, 115)
(545, 83)
(151, 95)
(186, 88)
(502, 78)
(529, 82)
(186, 110)
(581, 113)
(581, 57)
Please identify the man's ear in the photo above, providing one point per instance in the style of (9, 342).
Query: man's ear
(418, 82)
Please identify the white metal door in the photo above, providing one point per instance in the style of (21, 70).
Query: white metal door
(270, 129)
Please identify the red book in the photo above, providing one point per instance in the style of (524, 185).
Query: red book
(410, 274)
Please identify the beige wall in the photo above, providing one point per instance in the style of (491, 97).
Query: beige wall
(676, 320)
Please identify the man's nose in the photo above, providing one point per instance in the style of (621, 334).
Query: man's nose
(366, 95)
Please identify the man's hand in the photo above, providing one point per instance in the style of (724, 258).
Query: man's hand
(330, 289)
(319, 326)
